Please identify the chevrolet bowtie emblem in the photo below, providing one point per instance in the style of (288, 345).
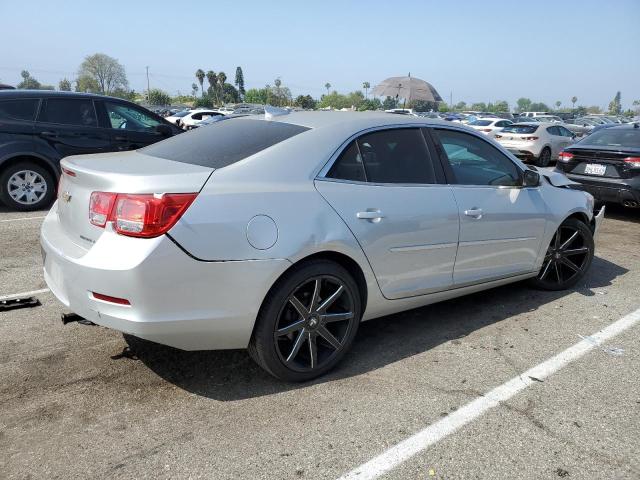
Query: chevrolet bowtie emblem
(66, 196)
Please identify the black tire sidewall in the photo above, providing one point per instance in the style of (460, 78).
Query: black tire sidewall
(541, 162)
(262, 347)
(48, 178)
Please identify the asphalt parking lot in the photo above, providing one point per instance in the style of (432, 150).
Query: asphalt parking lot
(87, 402)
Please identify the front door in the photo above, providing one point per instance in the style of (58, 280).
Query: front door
(501, 223)
(131, 127)
(387, 190)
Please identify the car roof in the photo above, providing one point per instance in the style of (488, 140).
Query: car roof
(50, 93)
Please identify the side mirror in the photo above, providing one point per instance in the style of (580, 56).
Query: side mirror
(531, 179)
(164, 130)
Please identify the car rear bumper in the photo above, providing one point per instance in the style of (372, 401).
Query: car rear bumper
(614, 190)
(174, 299)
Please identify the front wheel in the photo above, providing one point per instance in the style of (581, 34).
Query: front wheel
(308, 322)
(568, 257)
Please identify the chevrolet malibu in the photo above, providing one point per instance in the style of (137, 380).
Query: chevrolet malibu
(282, 234)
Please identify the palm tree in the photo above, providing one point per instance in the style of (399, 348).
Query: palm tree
(573, 101)
(222, 78)
(558, 103)
(194, 89)
(212, 78)
(366, 86)
(200, 77)
(327, 86)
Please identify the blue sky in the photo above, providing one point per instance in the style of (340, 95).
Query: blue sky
(478, 50)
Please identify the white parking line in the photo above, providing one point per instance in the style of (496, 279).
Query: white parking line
(22, 218)
(24, 294)
(418, 442)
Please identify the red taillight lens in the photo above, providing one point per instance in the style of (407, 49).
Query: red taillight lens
(100, 206)
(486, 130)
(110, 299)
(139, 215)
(633, 162)
(565, 157)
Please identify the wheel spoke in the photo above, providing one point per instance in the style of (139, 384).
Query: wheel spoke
(313, 350)
(329, 301)
(300, 308)
(296, 345)
(294, 327)
(557, 239)
(557, 267)
(336, 317)
(14, 182)
(570, 264)
(315, 299)
(570, 240)
(328, 336)
(576, 251)
(546, 269)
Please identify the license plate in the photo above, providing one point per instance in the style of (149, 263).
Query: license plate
(595, 169)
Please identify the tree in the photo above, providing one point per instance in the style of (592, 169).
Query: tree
(28, 82)
(479, 106)
(524, 104)
(205, 101)
(305, 101)
(558, 103)
(159, 97)
(594, 109)
(460, 106)
(370, 104)
(389, 103)
(423, 106)
(194, 89)
(255, 95)
(105, 71)
(200, 76)
(539, 107)
(64, 85)
(443, 107)
(222, 78)
(574, 99)
(366, 86)
(615, 106)
(500, 106)
(327, 86)
(230, 94)
(239, 82)
(212, 78)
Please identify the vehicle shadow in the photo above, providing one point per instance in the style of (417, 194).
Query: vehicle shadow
(625, 214)
(231, 375)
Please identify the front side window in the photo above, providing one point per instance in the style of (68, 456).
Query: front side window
(69, 111)
(19, 109)
(474, 161)
(129, 118)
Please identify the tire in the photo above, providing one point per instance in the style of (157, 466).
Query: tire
(293, 317)
(568, 257)
(544, 159)
(27, 186)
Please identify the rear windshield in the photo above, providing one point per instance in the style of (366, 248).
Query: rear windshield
(480, 123)
(223, 143)
(614, 137)
(520, 129)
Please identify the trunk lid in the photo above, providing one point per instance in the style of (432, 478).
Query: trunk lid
(127, 172)
(601, 162)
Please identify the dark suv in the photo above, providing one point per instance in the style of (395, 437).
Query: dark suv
(39, 128)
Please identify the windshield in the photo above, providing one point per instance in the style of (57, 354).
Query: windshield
(614, 137)
(520, 129)
(481, 123)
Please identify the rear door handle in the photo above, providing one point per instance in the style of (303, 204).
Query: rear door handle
(120, 138)
(474, 212)
(48, 134)
(371, 215)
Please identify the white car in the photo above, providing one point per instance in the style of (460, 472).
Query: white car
(177, 117)
(489, 126)
(190, 120)
(533, 114)
(535, 141)
(226, 110)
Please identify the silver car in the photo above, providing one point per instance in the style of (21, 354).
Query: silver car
(280, 235)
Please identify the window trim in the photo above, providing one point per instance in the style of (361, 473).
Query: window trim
(45, 101)
(434, 157)
(444, 160)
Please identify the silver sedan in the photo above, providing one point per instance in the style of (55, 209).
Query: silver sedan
(282, 234)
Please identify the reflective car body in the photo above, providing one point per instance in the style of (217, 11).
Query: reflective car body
(256, 214)
(528, 140)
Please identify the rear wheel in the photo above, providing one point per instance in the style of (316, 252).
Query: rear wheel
(27, 186)
(307, 322)
(568, 257)
(545, 158)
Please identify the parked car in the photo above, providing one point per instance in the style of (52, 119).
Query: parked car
(489, 126)
(607, 163)
(282, 234)
(580, 126)
(533, 114)
(189, 121)
(549, 118)
(176, 117)
(536, 142)
(38, 128)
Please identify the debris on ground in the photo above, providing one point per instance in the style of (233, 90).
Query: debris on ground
(15, 303)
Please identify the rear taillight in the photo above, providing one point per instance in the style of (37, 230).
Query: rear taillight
(529, 138)
(565, 157)
(138, 215)
(632, 162)
(486, 130)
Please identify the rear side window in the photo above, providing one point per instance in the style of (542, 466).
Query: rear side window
(480, 123)
(386, 156)
(223, 143)
(520, 128)
(18, 109)
(69, 111)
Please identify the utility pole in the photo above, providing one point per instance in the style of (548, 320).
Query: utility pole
(148, 97)
(451, 100)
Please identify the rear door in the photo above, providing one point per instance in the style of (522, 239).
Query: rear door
(130, 127)
(501, 223)
(389, 191)
(70, 127)
(17, 117)
(558, 140)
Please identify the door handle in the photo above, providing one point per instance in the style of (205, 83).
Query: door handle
(48, 134)
(120, 138)
(372, 215)
(474, 212)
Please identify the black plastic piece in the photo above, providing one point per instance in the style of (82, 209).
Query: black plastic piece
(74, 317)
(14, 303)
